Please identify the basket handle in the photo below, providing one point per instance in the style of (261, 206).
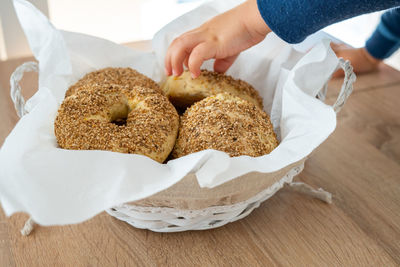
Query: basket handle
(15, 88)
(347, 86)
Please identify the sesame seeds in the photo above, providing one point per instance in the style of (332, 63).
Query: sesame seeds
(183, 91)
(119, 110)
(108, 76)
(85, 121)
(227, 123)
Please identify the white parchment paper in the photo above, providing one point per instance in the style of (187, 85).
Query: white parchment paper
(58, 186)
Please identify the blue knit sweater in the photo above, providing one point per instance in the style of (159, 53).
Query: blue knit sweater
(294, 20)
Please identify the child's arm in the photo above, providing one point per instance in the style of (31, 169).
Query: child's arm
(294, 20)
(228, 34)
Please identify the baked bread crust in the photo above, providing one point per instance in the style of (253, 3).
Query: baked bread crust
(183, 91)
(227, 123)
(118, 118)
(110, 76)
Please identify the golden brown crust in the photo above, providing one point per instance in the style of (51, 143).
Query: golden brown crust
(94, 120)
(227, 123)
(183, 91)
(108, 76)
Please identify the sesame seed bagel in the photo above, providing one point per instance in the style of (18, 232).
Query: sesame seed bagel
(183, 91)
(109, 76)
(135, 120)
(227, 123)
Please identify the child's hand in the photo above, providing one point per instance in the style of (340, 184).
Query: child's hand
(222, 38)
(360, 59)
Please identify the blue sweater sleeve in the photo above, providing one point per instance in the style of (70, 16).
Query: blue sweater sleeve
(386, 38)
(294, 20)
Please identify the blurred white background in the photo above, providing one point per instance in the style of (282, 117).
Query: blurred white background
(124, 21)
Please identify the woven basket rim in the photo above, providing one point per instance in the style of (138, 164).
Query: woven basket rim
(152, 209)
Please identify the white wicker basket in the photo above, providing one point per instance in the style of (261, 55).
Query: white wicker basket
(170, 219)
(161, 219)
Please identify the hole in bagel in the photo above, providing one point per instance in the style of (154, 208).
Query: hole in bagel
(119, 122)
(119, 114)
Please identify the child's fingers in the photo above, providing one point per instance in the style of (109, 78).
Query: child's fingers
(199, 54)
(167, 64)
(177, 59)
(186, 62)
(179, 49)
(223, 64)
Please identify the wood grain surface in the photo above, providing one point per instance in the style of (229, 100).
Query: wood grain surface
(359, 163)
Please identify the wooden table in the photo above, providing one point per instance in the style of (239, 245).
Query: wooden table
(359, 164)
